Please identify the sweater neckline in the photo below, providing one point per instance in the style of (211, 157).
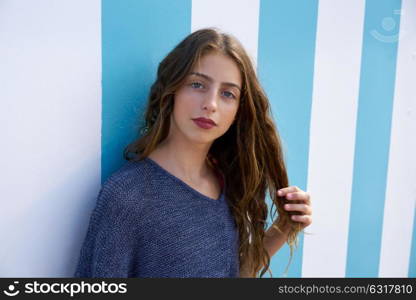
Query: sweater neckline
(183, 183)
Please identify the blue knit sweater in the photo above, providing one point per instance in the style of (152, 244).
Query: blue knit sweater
(149, 223)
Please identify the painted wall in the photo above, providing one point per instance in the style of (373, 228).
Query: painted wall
(74, 78)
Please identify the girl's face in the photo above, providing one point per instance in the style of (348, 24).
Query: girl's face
(212, 91)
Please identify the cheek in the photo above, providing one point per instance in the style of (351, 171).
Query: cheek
(231, 111)
(228, 115)
(185, 107)
(182, 104)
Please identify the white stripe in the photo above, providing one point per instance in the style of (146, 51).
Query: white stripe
(238, 17)
(332, 135)
(401, 188)
(50, 75)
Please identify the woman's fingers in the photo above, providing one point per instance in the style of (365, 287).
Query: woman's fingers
(305, 219)
(288, 189)
(303, 208)
(294, 193)
(304, 196)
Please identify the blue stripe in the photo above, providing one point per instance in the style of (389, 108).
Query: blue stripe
(412, 262)
(136, 35)
(378, 72)
(286, 50)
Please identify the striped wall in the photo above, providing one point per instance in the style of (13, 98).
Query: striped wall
(50, 120)
(287, 47)
(340, 76)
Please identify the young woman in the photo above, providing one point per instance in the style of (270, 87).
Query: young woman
(190, 200)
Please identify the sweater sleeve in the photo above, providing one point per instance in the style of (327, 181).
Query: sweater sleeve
(109, 246)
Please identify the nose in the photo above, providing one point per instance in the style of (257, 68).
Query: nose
(210, 101)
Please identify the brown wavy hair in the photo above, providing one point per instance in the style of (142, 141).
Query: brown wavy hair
(249, 154)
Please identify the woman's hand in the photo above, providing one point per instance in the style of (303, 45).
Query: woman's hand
(275, 239)
(293, 193)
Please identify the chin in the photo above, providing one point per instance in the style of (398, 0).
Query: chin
(202, 138)
(202, 141)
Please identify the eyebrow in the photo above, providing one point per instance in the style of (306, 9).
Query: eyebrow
(211, 80)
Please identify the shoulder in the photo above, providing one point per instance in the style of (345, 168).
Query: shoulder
(130, 173)
(126, 186)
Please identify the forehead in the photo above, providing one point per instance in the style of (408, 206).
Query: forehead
(219, 67)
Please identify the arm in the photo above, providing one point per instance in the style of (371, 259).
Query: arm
(301, 204)
(108, 246)
(273, 241)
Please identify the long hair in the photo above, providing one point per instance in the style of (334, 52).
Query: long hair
(249, 154)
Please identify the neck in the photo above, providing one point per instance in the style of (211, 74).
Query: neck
(182, 158)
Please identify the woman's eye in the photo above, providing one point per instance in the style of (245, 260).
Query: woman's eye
(229, 94)
(196, 85)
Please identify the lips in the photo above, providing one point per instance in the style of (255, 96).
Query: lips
(205, 120)
(204, 123)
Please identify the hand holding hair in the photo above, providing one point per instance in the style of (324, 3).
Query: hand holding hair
(298, 203)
